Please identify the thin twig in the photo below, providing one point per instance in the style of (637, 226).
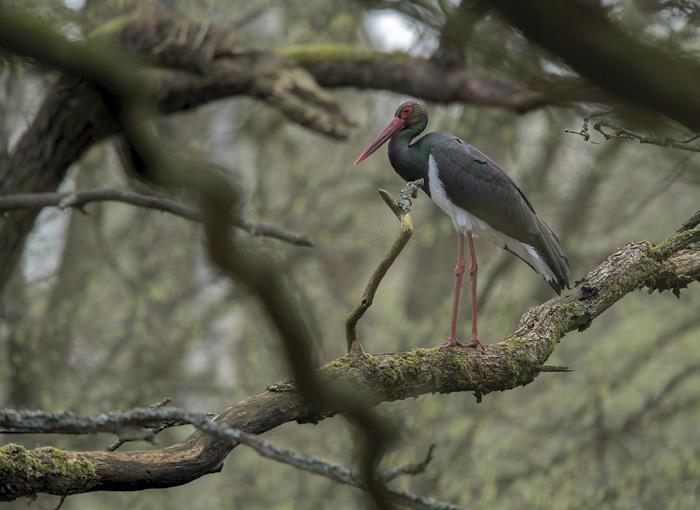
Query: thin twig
(78, 199)
(401, 209)
(554, 368)
(626, 134)
(413, 468)
(584, 132)
(620, 132)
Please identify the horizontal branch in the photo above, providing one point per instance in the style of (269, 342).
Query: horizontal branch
(513, 362)
(78, 199)
(24, 469)
(348, 66)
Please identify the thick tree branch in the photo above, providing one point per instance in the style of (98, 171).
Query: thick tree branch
(79, 199)
(142, 424)
(609, 56)
(347, 66)
(515, 361)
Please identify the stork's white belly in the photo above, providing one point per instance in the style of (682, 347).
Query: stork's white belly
(465, 222)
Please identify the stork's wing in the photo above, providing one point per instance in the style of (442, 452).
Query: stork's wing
(475, 183)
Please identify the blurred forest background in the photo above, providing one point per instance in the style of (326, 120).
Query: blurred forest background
(119, 307)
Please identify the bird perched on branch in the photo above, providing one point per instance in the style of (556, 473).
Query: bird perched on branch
(479, 197)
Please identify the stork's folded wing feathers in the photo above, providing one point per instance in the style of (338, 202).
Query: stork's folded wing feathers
(473, 182)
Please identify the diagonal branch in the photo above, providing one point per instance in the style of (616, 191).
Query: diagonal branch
(78, 199)
(513, 362)
(409, 469)
(401, 209)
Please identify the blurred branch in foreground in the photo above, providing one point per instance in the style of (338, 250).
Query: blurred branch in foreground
(608, 56)
(79, 198)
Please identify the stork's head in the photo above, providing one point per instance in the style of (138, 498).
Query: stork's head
(409, 115)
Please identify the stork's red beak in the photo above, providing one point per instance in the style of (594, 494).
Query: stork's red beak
(390, 130)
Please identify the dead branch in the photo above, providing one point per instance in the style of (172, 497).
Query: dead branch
(78, 199)
(409, 469)
(621, 133)
(401, 209)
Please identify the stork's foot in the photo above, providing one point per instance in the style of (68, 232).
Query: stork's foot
(453, 342)
(475, 342)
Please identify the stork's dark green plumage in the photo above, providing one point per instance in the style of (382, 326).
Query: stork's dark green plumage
(480, 198)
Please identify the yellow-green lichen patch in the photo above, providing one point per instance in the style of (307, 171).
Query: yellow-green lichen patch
(25, 472)
(519, 366)
(462, 373)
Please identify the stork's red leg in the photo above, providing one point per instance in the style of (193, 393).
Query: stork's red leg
(459, 273)
(474, 340)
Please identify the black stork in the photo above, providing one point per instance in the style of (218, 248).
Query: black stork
(479, 197)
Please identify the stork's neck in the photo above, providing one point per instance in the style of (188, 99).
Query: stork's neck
(410, 160)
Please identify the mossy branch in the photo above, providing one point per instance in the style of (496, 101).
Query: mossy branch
(26, 472)
(513, 362)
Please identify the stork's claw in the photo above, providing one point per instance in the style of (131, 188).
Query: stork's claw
(474, 342)
(453, 342)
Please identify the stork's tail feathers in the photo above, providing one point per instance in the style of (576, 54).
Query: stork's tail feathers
(554, 257)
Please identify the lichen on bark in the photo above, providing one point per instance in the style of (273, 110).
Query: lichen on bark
(51, 470)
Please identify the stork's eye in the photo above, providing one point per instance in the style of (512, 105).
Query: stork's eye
(406, 111)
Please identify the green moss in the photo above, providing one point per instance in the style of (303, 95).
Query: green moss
(412, 361)
(462, 372)
(518, 369)
(25, 472)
